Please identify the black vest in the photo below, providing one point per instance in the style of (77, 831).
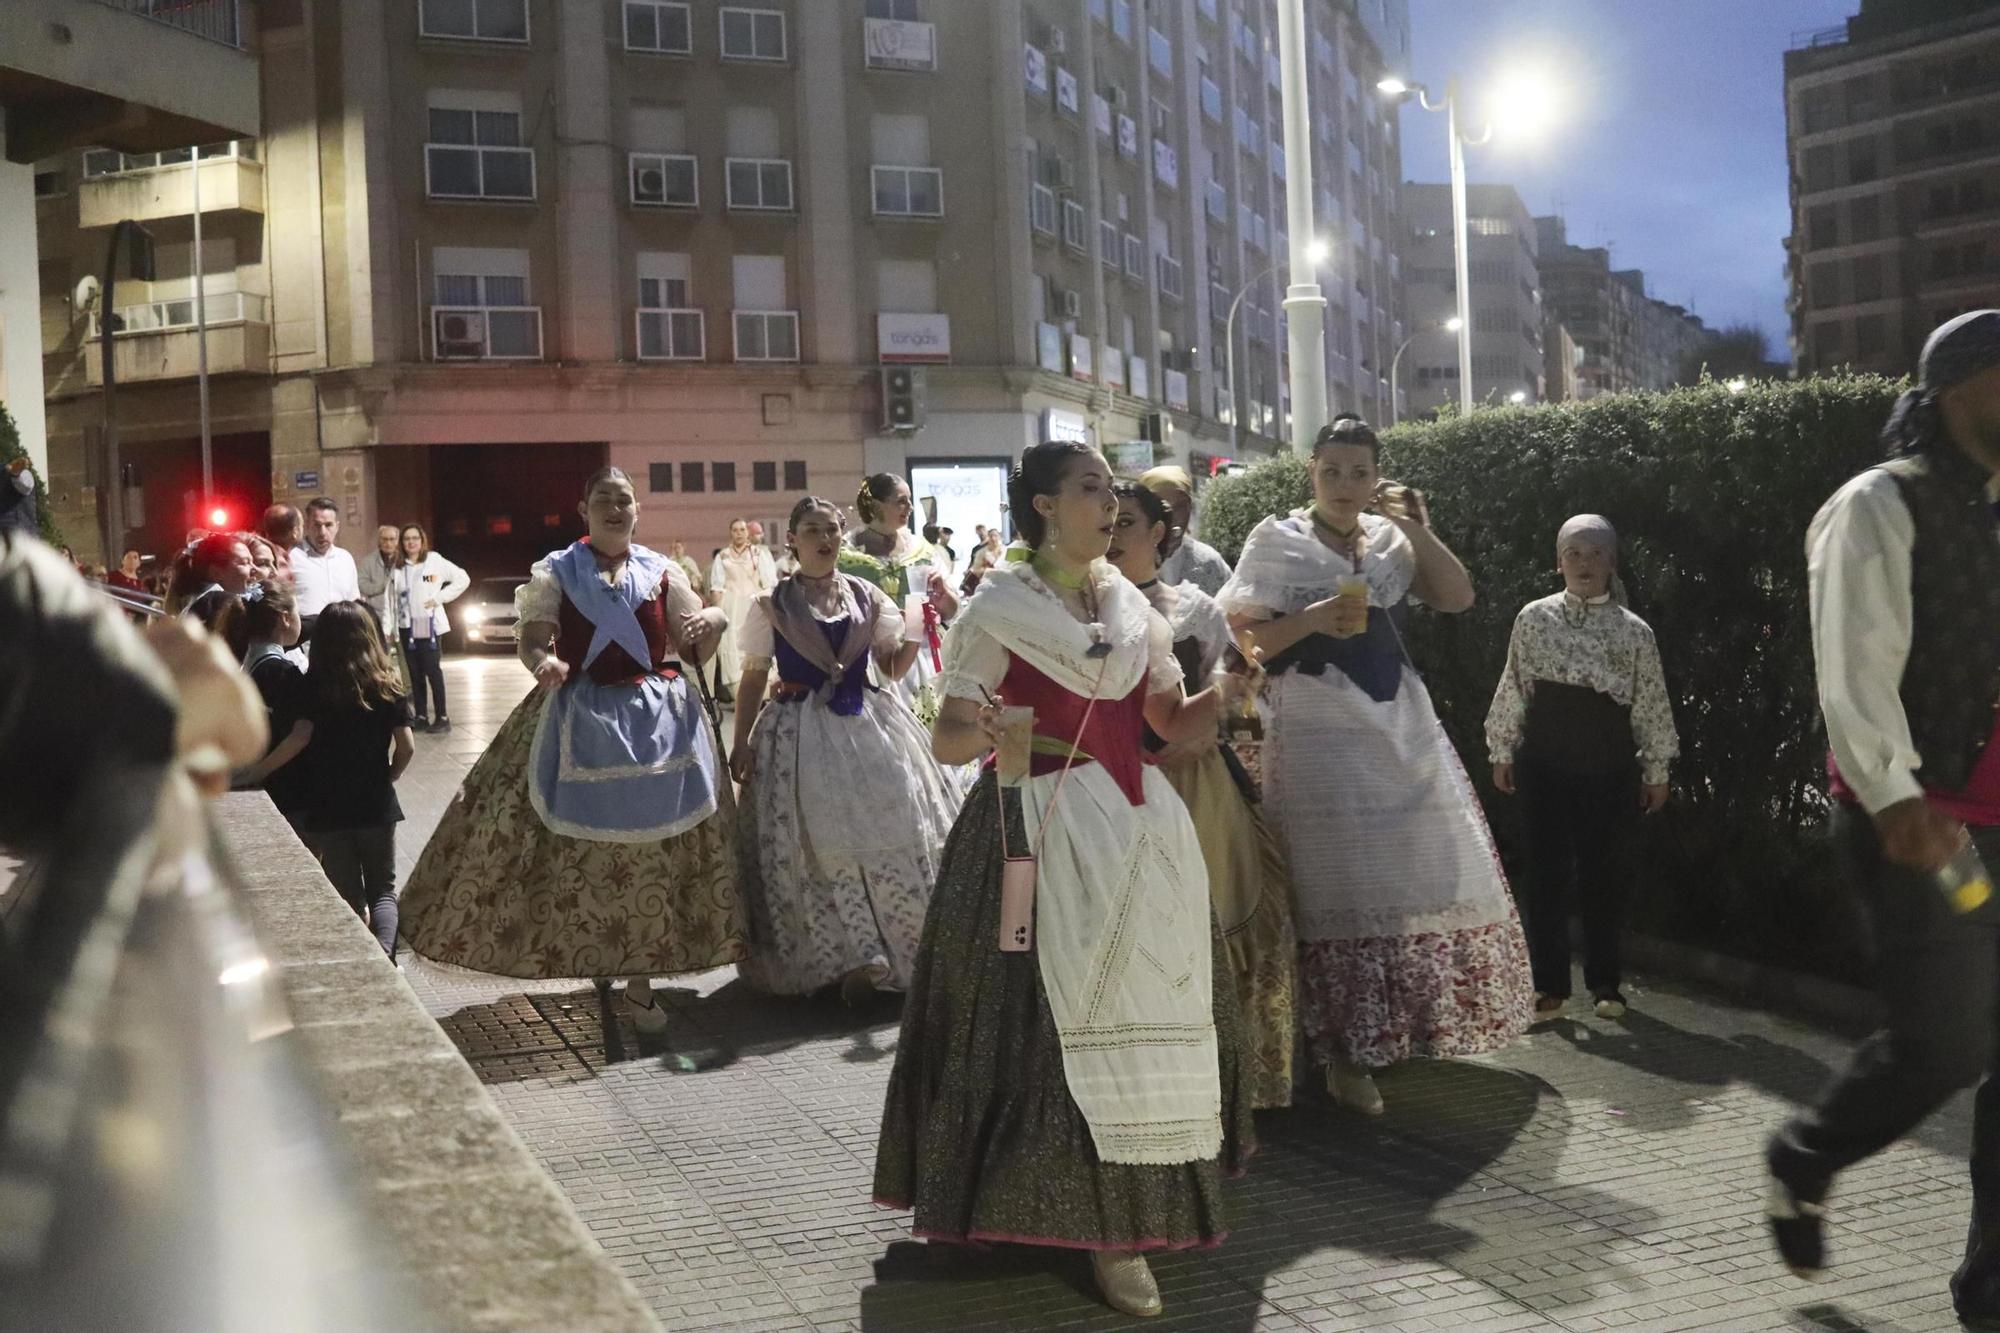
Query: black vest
(1951, 683)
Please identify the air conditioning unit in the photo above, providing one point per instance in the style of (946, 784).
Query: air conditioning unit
(1116, 95)
(461, 335)
(652, 184)
(1071, 304)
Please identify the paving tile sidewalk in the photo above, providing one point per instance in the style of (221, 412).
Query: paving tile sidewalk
(1594, 1176)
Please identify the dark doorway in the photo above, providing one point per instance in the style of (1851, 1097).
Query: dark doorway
(167, 475)
(498, 508)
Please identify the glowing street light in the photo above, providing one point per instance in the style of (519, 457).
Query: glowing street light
(1518, 397)
(1316, 251)
(1737, 385)
(1452, 325)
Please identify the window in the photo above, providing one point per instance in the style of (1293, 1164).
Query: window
(1861, 165)
(669, 328)
(475, 154)
(1135, 257)
(1211, 100)
(764, 476)
(907, 11)
(722, 476)
(1489, 227)
(661, 26)
(1160, 51)
(1822, 227)
(482, 309)
(1072, 225)
(665, 180)
(693, 479)
(1864, 218)
(1042, 210)
(1121, 20)
(48, 184)
(767, 335)
(795, 474)
(1871, 335)
(474, 20)
(909, 192)
(753, 34)
(659, 477)
(1866, 274)
(759, 184)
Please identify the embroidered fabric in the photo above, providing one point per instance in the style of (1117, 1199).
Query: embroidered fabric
(540, 597)
(1284, 568)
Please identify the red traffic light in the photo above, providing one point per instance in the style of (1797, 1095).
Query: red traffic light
(218, 518)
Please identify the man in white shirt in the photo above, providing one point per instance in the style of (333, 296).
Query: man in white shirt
(322, 573)
(1904, 574)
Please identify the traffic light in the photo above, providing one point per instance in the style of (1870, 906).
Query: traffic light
(902, 398)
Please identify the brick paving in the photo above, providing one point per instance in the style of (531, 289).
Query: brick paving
(1594, 1176)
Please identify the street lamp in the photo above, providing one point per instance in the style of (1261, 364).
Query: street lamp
(1399, 89)
(1451, 325)
(1316, 253)
(1518, 397)
(1736, 385)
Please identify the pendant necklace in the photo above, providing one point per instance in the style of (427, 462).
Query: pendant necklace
(1077, 583)
(1350, 541)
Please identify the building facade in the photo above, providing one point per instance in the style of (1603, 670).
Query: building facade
(1624, 339)
(482, 247)
(1893, 129)
(1506, 298)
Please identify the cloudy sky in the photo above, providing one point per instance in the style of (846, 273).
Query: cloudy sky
(1664, 138)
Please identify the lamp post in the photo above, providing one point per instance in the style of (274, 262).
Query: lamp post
(1452, 325)
(1315, 254)
(1397, 88)
(111, 495)
(1305, 306)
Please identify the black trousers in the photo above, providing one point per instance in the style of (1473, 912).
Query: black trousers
(362, 865)
(1580, 833)
(426, 661)
(1939, 977)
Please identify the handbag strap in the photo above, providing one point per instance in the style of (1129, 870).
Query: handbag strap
(1069, 761)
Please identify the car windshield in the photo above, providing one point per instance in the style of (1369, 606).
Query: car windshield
(498, 590)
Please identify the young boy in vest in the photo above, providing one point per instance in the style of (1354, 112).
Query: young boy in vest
(1904, 574)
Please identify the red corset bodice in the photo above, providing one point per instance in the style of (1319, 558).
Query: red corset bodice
(614, 666)
(1113, 739)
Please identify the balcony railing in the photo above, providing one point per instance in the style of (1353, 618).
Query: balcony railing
(464, 171)
(1107, 241)
(1042, 209)
(486, 333)
(216, 20)
(767, 335)
(1170, 276)
(169, 316)
(110, 162)
(1135, 258)
(672, 333)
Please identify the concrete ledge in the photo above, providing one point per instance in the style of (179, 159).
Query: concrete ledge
(484, 1236)
(1849, 1010)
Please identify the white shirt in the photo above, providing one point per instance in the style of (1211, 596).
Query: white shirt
(1858, 572)
(24, 482)
(432, 579)
(318, 581)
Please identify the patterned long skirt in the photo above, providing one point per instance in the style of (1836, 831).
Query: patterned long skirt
(496, 891)
(979, 1132)
(1252, 893)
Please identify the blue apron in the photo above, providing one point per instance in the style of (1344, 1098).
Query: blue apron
(620, 763)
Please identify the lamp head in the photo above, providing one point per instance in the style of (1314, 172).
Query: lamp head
(1518, 397)
(1317, 251)
(1454, 324)
(1391, 86)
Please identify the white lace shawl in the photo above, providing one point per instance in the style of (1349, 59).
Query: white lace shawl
(1285, 567)
(1014, 611)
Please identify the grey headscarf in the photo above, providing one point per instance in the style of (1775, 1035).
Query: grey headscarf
(1956, 351)
(1594, 530)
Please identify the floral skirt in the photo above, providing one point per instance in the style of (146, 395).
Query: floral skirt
(496, 891)
(1376, 1001)
(979, 1132)
(1252, 894)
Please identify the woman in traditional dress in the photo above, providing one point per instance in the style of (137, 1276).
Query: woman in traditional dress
(887, 552)
(844, 808)
(741, 572)
(1247, 880)
(592, 838)
(1079, 1087)
(1411, 944)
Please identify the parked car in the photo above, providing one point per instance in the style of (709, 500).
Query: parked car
(485, 615)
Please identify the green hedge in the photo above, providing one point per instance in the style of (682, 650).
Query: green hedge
(1711, 493)
(10, 449)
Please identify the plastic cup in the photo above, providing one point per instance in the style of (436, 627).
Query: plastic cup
(1352, 586)
(913, 618)
(1017, 736)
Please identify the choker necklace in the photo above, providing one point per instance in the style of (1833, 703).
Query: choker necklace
(1148, 583)
(817, 578)
(1077, 583)
(1061, 578)
(1320, 522)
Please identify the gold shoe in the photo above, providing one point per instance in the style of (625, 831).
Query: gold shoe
(1354, 1088)
(1126, 1282)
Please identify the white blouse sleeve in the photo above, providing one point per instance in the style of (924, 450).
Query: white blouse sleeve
(756, 637)
(540, 598)
(974, 663)
(888, 626)
(1163, 669)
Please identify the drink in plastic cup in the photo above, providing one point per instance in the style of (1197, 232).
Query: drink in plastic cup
(1352, 586)
(913, 618)
(1017, 735)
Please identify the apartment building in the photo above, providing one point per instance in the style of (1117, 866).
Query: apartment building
(1624, 339)
(1506, 298)
(77, 72)
(1893, 130)
(482, 247)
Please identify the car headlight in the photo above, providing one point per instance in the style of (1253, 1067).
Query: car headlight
(474, 614)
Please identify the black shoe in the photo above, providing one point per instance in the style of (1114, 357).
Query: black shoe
(418, 724)
(440, 726)
(1798, 1226)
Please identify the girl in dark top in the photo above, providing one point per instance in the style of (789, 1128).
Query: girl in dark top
(258, 627)
(358, 713)
(207, 573)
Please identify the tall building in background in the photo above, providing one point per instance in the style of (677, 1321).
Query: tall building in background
(1624, 339)
(1506, 300)
(481, 247)
(1893, 129)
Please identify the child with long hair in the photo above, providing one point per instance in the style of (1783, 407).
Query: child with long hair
(360, 745)
(258, 627)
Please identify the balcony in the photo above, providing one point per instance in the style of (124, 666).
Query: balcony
(118, 187)
(899, 45)
(766, 335)
(158, 340)
(671, 333)
(215, 20)
(486, 333)
(465, 171)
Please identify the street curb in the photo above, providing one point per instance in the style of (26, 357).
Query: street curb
(1843, 1008)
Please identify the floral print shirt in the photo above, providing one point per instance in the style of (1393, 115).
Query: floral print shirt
(1598, 645)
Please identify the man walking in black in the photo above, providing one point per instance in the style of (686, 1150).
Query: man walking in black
(1904, 567)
